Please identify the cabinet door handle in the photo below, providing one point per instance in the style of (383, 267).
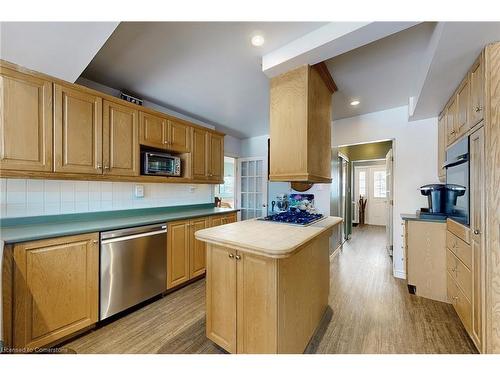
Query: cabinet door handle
(95, 241)
(106, 167)
(231, 256)
(99, 166)
(476, 231)
(238, 257)
(478, 108)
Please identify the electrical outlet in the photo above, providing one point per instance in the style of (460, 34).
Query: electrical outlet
(139, 191)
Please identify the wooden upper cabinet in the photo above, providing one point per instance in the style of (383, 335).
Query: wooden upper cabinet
(178, 242)
(441, 147)
(216, 157)
(56, 288)
(199, 153)
(78, 131)
(463, 105)
(179, 136)
(477, 92)
(451, 121)
(120, 140)
(197, 248)
(153, 130)
(25, 122)
(300, 122)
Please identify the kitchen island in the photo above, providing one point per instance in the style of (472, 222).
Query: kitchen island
(267, 284)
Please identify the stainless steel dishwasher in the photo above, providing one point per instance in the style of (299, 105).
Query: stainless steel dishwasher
(133, 267)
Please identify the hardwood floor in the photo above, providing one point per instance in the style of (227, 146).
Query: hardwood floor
(371, 312)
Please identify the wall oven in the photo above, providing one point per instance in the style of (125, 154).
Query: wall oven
(457, 176)
(160, 164)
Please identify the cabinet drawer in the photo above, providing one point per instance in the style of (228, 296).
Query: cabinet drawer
(461, 274)
(451, 264)
(458, 230)
(460, 303)
(460, 248)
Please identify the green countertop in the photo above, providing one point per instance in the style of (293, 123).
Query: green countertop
(415, 217)
(39, 227)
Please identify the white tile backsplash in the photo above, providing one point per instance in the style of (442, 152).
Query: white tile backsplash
(26, 197)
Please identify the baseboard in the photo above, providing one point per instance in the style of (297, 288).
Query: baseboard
(336, 252)
(399, 274)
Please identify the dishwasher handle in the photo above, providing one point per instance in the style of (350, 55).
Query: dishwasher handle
(133, 236)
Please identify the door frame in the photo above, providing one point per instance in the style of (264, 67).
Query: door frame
(237, 198)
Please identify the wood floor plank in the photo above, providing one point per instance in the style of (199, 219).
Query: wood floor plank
(370, 312)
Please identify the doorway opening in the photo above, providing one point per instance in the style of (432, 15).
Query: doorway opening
(226, 192)
(362, 188)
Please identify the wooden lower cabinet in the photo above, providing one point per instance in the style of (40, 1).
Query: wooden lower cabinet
(186, 256)
(221, 298)
(465, 266)
(241, 319)
(223, 219)
(426, 259)
(55, 289)
(197, 249)
(256, 304)
(178, 244)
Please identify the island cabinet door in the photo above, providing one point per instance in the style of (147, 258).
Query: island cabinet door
(221, 297)
(178, 241)
(256, 304)
(55, 288)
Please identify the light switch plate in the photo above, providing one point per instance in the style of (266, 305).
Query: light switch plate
(139, 191)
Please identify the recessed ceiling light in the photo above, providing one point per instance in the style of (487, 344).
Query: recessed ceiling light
(355, 102)
(258, 40)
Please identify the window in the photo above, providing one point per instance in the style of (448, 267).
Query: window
(379, 188)
(362, 183)
(225, 191)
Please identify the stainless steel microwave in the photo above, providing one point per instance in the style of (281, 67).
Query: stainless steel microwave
(160, 164)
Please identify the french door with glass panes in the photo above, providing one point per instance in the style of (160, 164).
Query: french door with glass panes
(252, 187)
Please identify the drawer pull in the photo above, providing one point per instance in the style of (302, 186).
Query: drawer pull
(231, 256)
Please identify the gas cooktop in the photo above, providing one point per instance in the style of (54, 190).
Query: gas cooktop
(296, 218)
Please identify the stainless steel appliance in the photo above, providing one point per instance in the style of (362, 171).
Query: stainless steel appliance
(457, 175)
(157, 163)
(133, 267)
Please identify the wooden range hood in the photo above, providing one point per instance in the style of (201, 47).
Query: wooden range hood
(300, 124)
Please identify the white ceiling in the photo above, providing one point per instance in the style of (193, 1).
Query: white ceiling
(381, 74)
(455, 47)
(208, 70)
(60, 49)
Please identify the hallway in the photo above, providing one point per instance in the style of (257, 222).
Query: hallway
(371, 312)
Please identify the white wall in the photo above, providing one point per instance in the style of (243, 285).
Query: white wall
(232, 146)
(30, 197)
(255, 146)
(60, 49)
(415, 159)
